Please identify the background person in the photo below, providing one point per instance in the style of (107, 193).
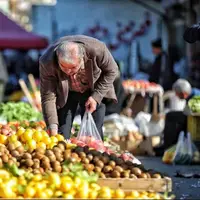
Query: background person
(176, 121)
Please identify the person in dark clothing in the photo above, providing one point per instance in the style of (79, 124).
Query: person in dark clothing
(159, 72)
(111, 107)
(176, 121)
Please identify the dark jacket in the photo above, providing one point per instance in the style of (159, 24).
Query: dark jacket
(160, 72)
(100, 68)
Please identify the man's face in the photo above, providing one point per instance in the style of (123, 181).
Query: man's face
(156, 50)
(69, 68)
(182, 95)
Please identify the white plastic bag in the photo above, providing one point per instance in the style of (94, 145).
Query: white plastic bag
(183, 153)
(88, 128)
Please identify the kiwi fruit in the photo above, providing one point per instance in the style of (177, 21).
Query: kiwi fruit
(5, 158)
(56, 149)
(90, 157)
(104, 159)
(137, 171)
(40, 150)
(39, 155)
(95, 159)
(29, 162)
(52, 158)
(36, 171)
(143, 175)
(45, 165)
(156, 176)
(58, 168)
(97, 169)
(27, 156)
(36, 165)
(67, 155)
(89, 167)
(102, 175)
(82, 155)
(61, 146)
(85, 160)
(10, 147)
(125, 174)
(15, 153)
(115, 174)
(107, 169)
(148, 175)
(74, 155)
(10, 162)
(55, 163)
(1, 163)
(73, 160)
(119, 169)
(20, 149)
(35, 160)
(49, 152)
(99, 163)
(133, 176)
(60, 158)
(112, 163)
(45, 159)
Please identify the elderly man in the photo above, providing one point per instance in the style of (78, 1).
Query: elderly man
(76, 70)
(176, 121)
(183, 90)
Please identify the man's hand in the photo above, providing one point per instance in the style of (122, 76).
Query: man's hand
(53, 132)
(90, 105)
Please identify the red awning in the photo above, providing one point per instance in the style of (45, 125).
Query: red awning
(13, 36)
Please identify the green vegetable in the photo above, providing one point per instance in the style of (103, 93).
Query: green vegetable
(20, 111)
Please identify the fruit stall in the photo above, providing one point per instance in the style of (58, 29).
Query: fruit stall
(37, 165)
(143, 89)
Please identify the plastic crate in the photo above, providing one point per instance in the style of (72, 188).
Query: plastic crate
(193, 126)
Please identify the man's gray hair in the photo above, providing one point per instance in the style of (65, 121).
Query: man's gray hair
(68, 51)
(182, 86)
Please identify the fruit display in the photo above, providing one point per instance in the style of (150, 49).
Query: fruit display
(194, 104)
(140, 85)
(39, 160)
(67, 186)
(18, 112)
(29, 138)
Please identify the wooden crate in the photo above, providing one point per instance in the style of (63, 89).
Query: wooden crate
(193, 126)
(141, 184)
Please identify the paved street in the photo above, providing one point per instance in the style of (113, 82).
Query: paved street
(183, 188)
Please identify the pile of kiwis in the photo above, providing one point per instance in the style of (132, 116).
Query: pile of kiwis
(110, 166)
(105, 165)
(37, 161)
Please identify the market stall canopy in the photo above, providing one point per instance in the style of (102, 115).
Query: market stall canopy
(13, 36)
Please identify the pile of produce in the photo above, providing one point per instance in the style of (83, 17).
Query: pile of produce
(39, 160)
(194, 104)
(139, 85)
(29, 138)
(18, 112)
(55, 185)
